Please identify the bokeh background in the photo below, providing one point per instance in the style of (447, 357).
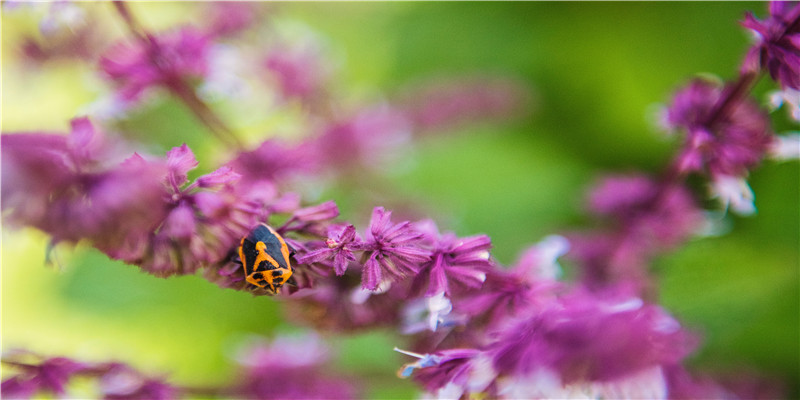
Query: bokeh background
(594, 72)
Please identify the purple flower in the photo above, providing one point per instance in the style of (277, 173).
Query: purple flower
(341, 242)
(451, 103)
(169, 60)
(778, 49)
(529, 285)
(645, 217)
(374, 137)
(394, 250)
(309, 220)
(121, 382)
(205, 220)
(718, 143)
(50, 375)
(70, 187)
(274, 160)
(299, 70)
(454, 262)
(587, 337)
(228, 18)
(289, 368)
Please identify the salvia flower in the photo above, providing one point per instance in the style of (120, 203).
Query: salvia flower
(48, 375)
(170, 60)
(645, 217)
(289, 368)
(113, 380)
(341, 242)
(74, 187)
(717, 142)
(121, 382)
(393, 250)
(591, 337)
(778, 49)
(454, 262)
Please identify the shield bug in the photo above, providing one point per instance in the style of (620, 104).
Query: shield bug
(265, 259)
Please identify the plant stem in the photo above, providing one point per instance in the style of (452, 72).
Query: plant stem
(176, 84)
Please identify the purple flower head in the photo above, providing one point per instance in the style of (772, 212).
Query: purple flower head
(70, 187)
(778, 49)
(341, 242)
(205, 220)
(274, 160)
(121, 382)
(661, 214)
(529, 285)
(450, 103)
(394, 250)
(228, 18)
(374, 137)
(300, 71)
(718, 143)
(48, 375)
(289, 368)
(170, 60)
(645, 217)
(589, 337)
(309, 220)
(461, 262)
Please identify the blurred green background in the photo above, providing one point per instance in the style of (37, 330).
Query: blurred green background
(595, 72)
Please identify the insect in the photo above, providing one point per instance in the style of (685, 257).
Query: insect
(265, 258)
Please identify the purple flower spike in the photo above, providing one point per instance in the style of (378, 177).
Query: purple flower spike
(779, 47)
(180, 160)
(339, 246)
(463, 261)
(164, 60)
(51, 375)
(591, 338)
(726, 144)
(122, 382)
(71, 188)
(395, 250)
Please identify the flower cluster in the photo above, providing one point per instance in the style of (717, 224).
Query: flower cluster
(286, 368)
(478, 329)
(113, 380)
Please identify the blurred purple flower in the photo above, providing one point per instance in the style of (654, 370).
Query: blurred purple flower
(289, 368)
(588, 337)
(450, 103)
(300, 71)
(69, 187)
(718, 143)
(778, 49)
(121, 382)
(170, 60)
(374, 136)
(49, 375)
(274, 160)
(393, 249)
(646, 217)
(228, 18)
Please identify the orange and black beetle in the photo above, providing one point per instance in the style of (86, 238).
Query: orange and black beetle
(265, 258)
